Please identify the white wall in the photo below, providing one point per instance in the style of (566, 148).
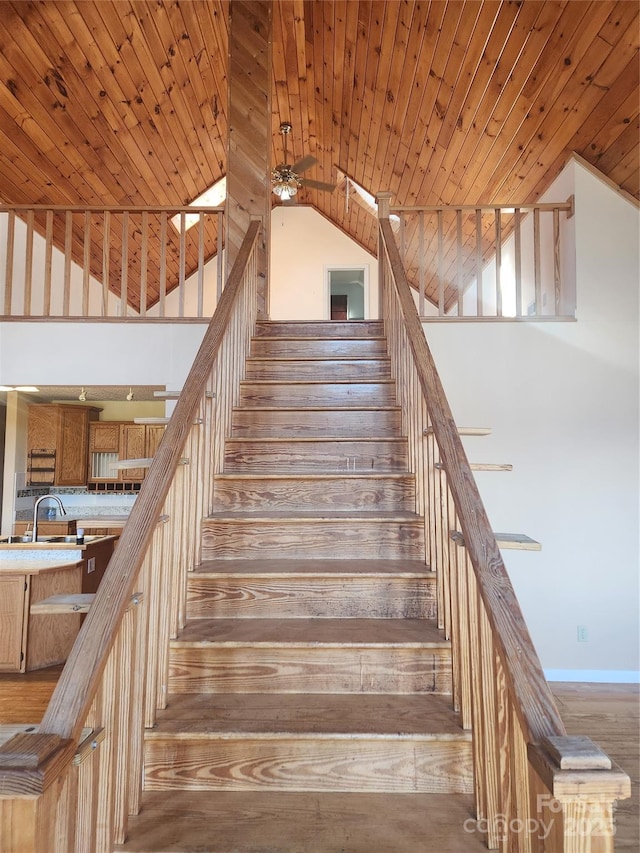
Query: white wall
(303, 244)
(562, 400)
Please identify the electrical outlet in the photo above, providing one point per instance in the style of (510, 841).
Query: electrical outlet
(91, 565)
(583, 634)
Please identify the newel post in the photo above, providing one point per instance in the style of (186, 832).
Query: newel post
(383, 200)
(572, 804)
(32, 771)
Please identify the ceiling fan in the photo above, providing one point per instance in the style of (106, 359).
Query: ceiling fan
(285, 178)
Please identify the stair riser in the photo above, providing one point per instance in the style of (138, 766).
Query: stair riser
(364, 493)
(294, 370)
(299, 764)
(317, 394)
(320, 669)
(290, 598)
(319, 329)
(316, 539)
(278, 423)
(319, 455)
(275, 348)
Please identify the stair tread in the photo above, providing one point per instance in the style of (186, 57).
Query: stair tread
(357, 407)
(330, 439)
(315, 515)
(301, 822)
(315, 475)
(348, 715)
(305, 633)
(317, 568)
(350, 382)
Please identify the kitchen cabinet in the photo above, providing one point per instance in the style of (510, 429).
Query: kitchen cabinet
(46, 528)
(58, 444)
(30, 640)
(112, 441)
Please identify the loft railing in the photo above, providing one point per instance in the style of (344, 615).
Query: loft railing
(71, 785)
(535, 787)
(490, 261)
(135, 262)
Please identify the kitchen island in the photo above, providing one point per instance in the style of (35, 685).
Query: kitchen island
(31, 572)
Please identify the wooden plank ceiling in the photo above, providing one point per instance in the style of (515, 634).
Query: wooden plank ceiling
(444, 102)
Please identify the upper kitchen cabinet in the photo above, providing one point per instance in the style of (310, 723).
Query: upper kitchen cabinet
(111, 442)
(58, 444)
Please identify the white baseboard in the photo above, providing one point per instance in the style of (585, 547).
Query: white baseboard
(595, 676)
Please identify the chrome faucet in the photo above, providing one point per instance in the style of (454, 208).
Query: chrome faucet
(34, 533)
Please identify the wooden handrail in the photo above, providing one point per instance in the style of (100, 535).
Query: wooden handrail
(72, 697)
(535, 705)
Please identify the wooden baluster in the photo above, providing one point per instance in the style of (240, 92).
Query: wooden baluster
(557, 270)
(439, 525)
(8, 271)
(519, 837)
(517, 251)
(422, 263)
(163, 264)
(124, 657)
(68, 257)
(86, 263)
(181, 263)
(28, 266)
(476, 690)
(444, 579)
(479, 285)
(441, 305)
(490, 729)
(219, 256)
(144, 260)
(454, 554)
(199, 312)
(537, 272)
(154, 594)
(498, 261)
(89, 783)
(460, 277)
(48, 257)
(464, 651)
(503, 744)
(106, 261)
(138, 669)
(66, 812)
(124, 266)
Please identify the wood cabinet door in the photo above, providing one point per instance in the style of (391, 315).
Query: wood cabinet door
(132, 446)
(73, 446)
(153, 439)
(13, 599)
(104, 437)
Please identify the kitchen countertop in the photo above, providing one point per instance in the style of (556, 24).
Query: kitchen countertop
(36, 567)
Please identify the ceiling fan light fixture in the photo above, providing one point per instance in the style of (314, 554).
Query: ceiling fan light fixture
(285, 183)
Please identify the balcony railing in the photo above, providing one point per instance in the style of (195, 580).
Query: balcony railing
(489, 261)
(125, 262)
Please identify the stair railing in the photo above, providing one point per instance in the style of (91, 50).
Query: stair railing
(72, 784)
(118, 262)
(535, 787)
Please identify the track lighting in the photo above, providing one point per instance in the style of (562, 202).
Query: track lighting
(82, 396)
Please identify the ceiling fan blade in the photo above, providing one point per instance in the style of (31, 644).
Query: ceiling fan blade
(304, 164)
(317, 185)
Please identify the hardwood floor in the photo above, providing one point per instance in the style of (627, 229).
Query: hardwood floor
(608, 713)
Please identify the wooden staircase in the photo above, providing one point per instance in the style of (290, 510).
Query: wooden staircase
(311, 666)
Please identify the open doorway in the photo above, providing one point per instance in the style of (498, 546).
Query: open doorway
(347, 297)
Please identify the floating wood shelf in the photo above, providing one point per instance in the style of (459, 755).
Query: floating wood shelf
(514, 541)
